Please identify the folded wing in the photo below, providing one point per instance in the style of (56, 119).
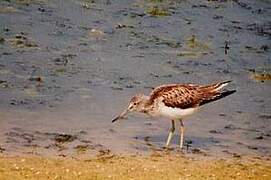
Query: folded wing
(188, 95)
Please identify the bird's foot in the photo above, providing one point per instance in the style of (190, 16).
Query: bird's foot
(167, 148)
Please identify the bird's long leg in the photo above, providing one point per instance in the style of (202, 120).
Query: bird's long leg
(170, 132)
(181, 133)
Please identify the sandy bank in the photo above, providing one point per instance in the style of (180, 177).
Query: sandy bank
(156, 166)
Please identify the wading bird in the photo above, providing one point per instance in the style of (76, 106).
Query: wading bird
(175, 102)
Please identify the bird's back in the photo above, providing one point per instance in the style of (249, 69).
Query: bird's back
(187, 95)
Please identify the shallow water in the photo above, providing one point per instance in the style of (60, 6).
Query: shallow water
(68, 67)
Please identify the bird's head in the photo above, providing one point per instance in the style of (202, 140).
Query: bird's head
(136, 104)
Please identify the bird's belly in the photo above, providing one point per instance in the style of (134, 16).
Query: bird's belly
(175, 113)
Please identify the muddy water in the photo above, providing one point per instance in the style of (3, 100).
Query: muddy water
(68, 67)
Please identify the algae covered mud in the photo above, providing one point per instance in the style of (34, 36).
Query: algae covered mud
(67, 67)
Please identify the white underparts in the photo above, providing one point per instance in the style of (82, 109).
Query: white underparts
(174, 113)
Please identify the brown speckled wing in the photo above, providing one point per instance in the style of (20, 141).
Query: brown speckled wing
(183, 95)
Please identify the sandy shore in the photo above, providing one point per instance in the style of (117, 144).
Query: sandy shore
(68, 67)
(155, 166)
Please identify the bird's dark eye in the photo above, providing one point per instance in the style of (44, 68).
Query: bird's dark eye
(134, 104)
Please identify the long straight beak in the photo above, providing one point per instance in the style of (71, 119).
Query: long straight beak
(121, 116)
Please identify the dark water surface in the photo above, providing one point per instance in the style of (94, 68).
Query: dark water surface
(67, 67)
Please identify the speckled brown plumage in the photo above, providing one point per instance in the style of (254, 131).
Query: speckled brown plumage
(186, 95)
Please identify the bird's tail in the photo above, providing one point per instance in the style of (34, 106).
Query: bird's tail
(216, 86)
(214, 89)
(220, 85)
(218, 96)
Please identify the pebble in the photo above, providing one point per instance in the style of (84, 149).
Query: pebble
(145, 169)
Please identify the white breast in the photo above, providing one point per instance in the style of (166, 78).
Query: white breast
(174, 113)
